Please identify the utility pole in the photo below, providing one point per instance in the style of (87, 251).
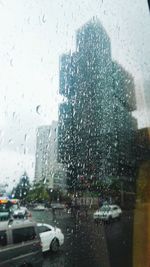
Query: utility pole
(122, 194)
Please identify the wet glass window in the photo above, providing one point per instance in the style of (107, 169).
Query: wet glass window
(75, 127)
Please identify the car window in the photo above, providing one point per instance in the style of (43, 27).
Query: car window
(105, 208)
(15, 207)
(42, 229)
(115, 208)
(3, 208)
(23, 234)
(3, 238)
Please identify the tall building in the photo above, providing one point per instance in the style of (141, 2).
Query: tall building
(47, 167)
(96, 132)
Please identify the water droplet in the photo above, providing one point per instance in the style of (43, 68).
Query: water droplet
(25, 137)
(28, 20)
(11, 62)
(44, 181)
(38, 109)
(43, 19)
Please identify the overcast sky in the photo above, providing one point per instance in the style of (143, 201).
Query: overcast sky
(33, 34)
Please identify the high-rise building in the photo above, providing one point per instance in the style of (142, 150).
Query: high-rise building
(96, 132)
(47, 167)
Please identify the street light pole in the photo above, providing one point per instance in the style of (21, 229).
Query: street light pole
(122, 194)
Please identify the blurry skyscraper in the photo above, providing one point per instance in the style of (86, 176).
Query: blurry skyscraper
(96, 131)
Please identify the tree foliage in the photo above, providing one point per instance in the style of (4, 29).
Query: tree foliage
(38, 192)
(22, 189)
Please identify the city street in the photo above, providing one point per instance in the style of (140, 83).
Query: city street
(90, 244)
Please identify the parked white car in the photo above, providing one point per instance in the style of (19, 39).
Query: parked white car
(51, 237)
(39, 208)
(58, 206)
(21, 213)
(107, 213)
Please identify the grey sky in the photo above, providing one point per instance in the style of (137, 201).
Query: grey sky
(33, 36)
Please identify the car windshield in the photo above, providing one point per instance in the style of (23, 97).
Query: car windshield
(3, 208)
(75, 128)
(15, 207)
(105, 208)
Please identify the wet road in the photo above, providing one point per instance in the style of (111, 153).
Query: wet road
(88, 244)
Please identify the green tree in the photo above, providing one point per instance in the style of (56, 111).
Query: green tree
(38, 192)
(22, 189)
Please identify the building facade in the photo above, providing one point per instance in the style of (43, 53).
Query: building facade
(47, 167)
(96, 131)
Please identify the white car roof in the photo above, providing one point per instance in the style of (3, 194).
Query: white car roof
(16, 224)
(45, 224)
